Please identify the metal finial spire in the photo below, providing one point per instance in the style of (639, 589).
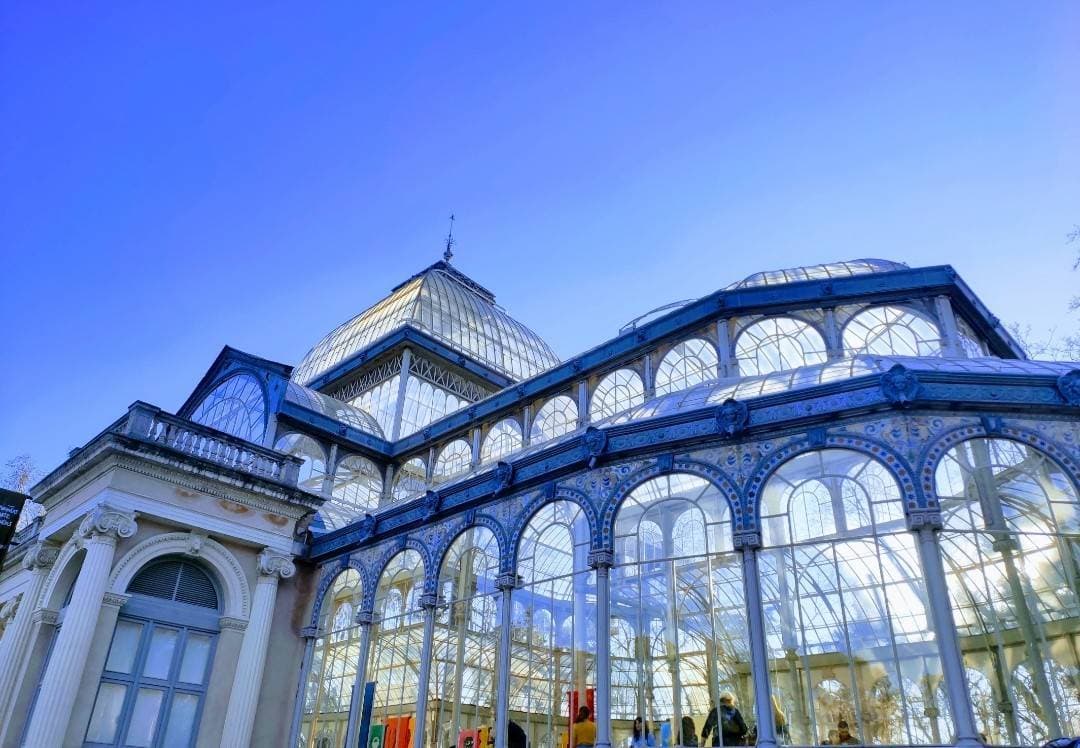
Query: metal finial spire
(449, 253)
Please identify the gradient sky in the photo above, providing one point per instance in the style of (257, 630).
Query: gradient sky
(174, 178)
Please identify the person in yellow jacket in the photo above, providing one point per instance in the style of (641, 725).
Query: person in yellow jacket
(584, 730)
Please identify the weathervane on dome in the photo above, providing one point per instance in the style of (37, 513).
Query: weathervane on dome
(449, 253)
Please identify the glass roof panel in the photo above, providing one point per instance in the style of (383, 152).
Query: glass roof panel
(332, 408)
(450, 307)
(844, 269)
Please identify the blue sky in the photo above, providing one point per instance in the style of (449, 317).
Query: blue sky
(174, 178)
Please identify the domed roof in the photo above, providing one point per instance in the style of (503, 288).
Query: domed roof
(450, 307)
(844, 269)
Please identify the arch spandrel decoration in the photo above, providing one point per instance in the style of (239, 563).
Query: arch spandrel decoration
(225, 566)
(327, 574)
(914, 499)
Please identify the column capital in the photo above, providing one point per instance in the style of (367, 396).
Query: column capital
(106, 522)
(601, 558)
(115, 599)
(309, 632)
(40, 556)
(275, 564)
(233, 624)
(429, 600)
(746, 540)
(508, 580)
(365, 618)
(924, 519)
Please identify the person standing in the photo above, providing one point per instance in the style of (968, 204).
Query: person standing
(584, 732)
(725, 723)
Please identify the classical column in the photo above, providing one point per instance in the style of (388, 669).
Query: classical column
(309, 634)
(98, 533)
(37, 562)
(925, 525)
(427, 602)
(364, 619)
(240, 715)
(748, 543)
(602, 560)
(506, 584)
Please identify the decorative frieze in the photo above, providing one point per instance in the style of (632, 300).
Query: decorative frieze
(232, 624)
(115, 599)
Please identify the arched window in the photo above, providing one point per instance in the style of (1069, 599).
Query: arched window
(891, 331)
(677, 580)
(454, 459)
(313, 468)
(466, 643)
(334, 661)
(844, 599)
(357, 488)
(158, 665)
(777, 344)
(504, 438)
(556, 417)
(618, 391)
(689, 363)
(397, 641)
(237, 407)
(410, 480)
(1010, 548)
(557, 655)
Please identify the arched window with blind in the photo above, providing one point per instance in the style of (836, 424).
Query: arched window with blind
(153, 687)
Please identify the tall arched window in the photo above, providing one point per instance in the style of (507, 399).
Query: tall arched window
(844, 601)
(554, 660)
(397, 644)
(466, 643)
(357, 488)
(556, 417)
(777, 344)
(504, 438)
(891, 331)
(618, 391)
(410, 480)
(1011, 549)
(677, 589)
(313, 467)
(454, 459)
(153, 687)
(237, 407)
(328, 692)
(689, 363)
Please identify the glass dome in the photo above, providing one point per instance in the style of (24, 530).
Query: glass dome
(844, 269)
(450, 307)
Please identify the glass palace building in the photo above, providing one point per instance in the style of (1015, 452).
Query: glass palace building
(832, 495)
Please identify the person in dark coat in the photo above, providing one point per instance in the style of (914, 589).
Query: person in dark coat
(725, 723)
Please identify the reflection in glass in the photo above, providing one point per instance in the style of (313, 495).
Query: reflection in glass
(556, 417)
(618, 391)
(891, 331)
(454, 459)
(846, 624)
(778, 344)
(410, 480)
(313, 467)
(328, 692)
(237, 407)
(461, 695)
(397, 641)
(503, 439)
(1011, 558)
(689, 363)
(357, 489)
(106, 716)
(553, 632)
(678, 625)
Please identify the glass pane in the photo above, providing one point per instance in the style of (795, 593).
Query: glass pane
(181, 725)
(144, 717)
(160, 657)
(125, 645)
(196, 654)
(103, 723)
